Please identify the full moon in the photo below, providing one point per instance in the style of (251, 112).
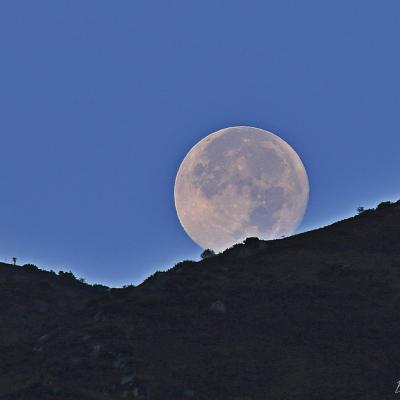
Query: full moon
(240, 182)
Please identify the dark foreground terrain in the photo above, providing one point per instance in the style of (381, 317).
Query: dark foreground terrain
(314, 316)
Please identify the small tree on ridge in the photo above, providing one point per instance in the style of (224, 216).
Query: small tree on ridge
(207, 253)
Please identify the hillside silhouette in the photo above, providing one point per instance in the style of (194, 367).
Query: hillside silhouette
(312, 316)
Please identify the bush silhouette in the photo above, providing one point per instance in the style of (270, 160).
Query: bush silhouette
(383, 205)
(31, 267)
(252, 241)
(69, 276)
(207, 253)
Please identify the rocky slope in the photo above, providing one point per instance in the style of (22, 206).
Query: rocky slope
(313, 316)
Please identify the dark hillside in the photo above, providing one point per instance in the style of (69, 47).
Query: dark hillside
(313, 316)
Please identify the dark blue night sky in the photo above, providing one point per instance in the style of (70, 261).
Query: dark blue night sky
(101, 100)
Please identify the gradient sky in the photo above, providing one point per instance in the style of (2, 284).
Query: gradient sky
(101, 100)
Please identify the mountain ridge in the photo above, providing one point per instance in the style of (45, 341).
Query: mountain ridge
(312, 316)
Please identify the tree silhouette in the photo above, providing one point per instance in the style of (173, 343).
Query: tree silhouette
(252, 241)
(207, 253)
(383, 205)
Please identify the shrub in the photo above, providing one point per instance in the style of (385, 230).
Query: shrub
(183, 263)
(31, 267)
(130, 286)
(152, 277)
(99, 286)
(383, 205)
(67, 276)
(207, 253)
(252, 241)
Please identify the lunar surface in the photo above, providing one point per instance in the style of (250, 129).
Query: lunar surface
(240, 182)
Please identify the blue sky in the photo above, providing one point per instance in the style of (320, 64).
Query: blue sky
(101, 100)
